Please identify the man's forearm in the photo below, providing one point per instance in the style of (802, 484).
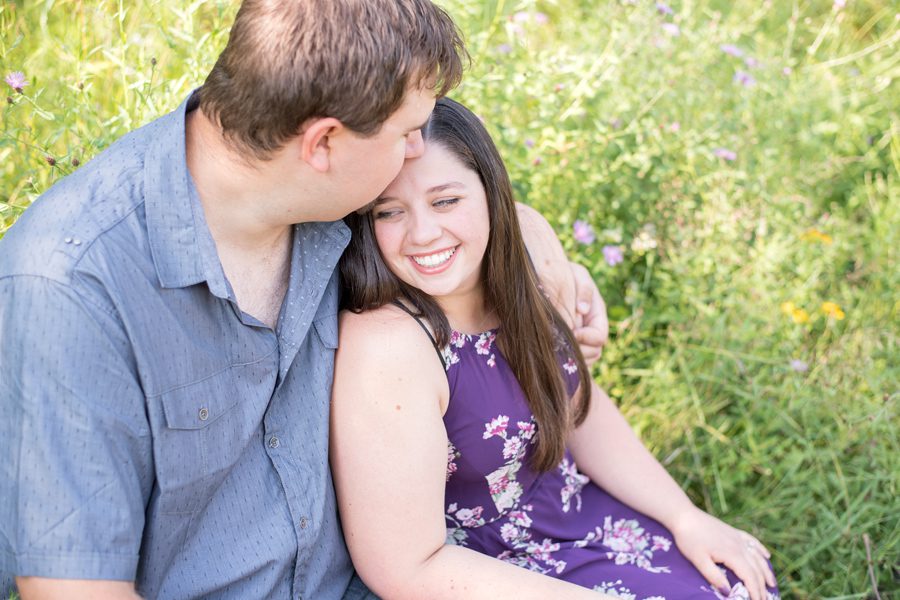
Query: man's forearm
(43, 588)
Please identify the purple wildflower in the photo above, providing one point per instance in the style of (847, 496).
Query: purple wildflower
(787, 71)
(751, 62)
(664, 9)
(504, 48)
(799, 366)
(541, 18)
(839, 4)
(613, 255)
(529, 143)
(16, 80)
(744, 78)
(731, 50)
(583, 232)
(672, 29)
(675, 127)
(729, 155)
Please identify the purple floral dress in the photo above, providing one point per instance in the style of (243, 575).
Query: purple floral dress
(558, 523)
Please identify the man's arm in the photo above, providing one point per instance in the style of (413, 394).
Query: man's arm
(41, 588)
(568, 285)
(77, 462)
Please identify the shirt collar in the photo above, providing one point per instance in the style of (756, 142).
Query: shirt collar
(182, 247)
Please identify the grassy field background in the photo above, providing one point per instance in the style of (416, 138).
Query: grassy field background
(728, 171)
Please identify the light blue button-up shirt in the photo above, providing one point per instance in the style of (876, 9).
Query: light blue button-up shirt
(150, 430)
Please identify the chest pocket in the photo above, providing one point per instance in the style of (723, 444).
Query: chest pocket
(202, 430)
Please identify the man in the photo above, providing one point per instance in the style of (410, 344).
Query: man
(168, 316)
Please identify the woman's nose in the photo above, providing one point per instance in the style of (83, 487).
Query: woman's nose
(424, 228)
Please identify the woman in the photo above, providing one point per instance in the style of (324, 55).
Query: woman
(462, 406)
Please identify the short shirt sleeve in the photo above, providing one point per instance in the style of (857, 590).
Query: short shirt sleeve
(77, 463)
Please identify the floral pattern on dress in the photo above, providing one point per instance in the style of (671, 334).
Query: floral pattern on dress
(462, 519)
(629, 544)
(617, 590)
(575, 481)
(452, 455)
(525, 552)
(570, 366)
(505, 490)
(738, 592)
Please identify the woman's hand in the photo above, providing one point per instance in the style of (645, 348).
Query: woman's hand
(705, 541)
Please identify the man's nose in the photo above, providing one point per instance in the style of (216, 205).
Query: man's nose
(415, 145)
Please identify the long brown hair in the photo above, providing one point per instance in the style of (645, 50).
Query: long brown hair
(287, 61)
(532, 332)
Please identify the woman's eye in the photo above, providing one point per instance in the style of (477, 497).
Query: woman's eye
(381, 215)
(445, 202)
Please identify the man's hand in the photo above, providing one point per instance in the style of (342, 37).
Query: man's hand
(568, 285)
(591, 325)
(37, 588)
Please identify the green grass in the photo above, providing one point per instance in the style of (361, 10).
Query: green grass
(606, 117)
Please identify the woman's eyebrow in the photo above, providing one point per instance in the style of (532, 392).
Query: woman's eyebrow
(444, 186)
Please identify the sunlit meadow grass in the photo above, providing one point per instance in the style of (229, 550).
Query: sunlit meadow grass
(743, 158)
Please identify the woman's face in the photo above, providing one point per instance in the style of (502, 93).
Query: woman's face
(432, 224)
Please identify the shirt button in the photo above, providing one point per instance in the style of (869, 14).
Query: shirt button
(304, 522)
(203, 414)
(68, 240)
(274, 442)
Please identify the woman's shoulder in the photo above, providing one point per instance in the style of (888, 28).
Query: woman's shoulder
(388, 332)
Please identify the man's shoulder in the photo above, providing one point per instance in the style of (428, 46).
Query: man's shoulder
(67, 222)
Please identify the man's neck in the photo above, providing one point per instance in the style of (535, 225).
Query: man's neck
(253, 246)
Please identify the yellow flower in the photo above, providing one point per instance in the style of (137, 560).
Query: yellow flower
(814, 235)
(832, 310)
(800, 316)
(788, 307)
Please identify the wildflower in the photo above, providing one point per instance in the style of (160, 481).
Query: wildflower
(675, 127)
(9, 100)
(672, 29)
(75, 162)
(504, 48)
(797, 315)
(153, 61)
(800, 316)
(529, 143)
(664, 9)
(613, 255)
(729, 155)
(787, 307)
(744, 78)
(50, 161)
(537, 161)
(559, 87)
(751, 62)
(799, 366)
(583, 232)
(839, 4)
(731, 50)
(541, 18)
(814, 235)
(643, 242)
(16, 80)
(787, 71)
(833, 310)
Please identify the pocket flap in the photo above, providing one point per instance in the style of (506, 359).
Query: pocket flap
(197, 405)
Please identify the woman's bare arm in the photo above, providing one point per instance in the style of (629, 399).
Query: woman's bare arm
(389, 459)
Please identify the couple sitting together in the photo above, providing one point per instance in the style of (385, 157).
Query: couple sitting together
(182, 417)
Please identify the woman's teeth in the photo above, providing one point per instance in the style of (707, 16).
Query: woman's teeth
(434, 260)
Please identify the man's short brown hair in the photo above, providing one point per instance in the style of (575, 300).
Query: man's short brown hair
(287, 61)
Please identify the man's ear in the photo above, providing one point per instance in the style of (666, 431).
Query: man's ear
(315, 147)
